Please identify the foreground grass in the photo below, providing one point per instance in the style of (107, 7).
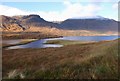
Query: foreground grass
(65, 42)
(80, 61)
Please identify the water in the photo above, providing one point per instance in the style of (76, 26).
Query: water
(90, 38)
(40, 43)
(36, 44)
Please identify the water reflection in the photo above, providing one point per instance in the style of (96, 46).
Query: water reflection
(40, 43)
(35, 44)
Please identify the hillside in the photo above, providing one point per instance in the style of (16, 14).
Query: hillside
(69, 27)
(10, 24)
(34, 20)
(24, 22)
(94, 24)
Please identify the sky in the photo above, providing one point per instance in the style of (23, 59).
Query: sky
(60, 10)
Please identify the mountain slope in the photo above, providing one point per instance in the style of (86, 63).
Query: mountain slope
(10, 24)
(95, 24)
(21, 23)
(34, 20)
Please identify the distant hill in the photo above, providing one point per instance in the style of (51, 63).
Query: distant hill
(34, 20)
(10, 24)
(20, 23)
(23, 22)
(95, 24)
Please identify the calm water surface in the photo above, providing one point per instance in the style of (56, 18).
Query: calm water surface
(40, 43)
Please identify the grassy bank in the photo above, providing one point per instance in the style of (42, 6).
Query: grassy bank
(26, 35)
(80, 61)
(66, 42)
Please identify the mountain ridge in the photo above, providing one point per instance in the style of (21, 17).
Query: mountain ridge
(23, 22)
(90, 24)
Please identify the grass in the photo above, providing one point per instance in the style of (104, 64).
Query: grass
(26, 35)
(65, 42)
(98, 60)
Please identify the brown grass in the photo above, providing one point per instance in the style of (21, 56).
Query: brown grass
(82, 61)
(26, 35)
(44, 32)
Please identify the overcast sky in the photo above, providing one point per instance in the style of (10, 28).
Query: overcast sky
(62, 9)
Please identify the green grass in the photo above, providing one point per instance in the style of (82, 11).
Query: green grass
(77, 61)
(65, 42)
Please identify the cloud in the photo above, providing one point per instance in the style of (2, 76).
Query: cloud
(11, 11)
(99, 0)
(115, 6)
(79, 10)
(71, 10)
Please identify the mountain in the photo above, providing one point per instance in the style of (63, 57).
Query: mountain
(24, 22)
(10, 24)
(20, 23)
(34, 20)
(95, 24)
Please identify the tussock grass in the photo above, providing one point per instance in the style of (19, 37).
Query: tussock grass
(80, 61)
